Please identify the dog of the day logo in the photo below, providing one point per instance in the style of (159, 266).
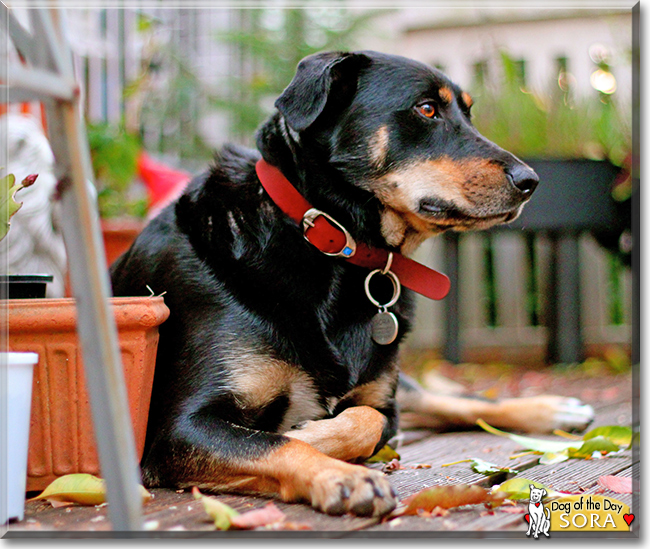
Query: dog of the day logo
(539, 518)
(575, 513)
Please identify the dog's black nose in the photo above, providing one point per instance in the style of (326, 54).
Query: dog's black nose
(524, 178)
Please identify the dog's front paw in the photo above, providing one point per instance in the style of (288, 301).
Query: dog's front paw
(354, 489)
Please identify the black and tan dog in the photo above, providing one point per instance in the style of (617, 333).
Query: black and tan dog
(268, 379)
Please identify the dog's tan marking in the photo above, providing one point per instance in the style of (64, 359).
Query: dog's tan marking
(446, 95)
(296, 471)
(467, 99)
(397, 232)
(412, 241)
(393, 227)
(403, 189)
(476, 187)
(350, 436)
(376, 393)
(378, 147)
(467, 183)
(257, 380)
(304, 473)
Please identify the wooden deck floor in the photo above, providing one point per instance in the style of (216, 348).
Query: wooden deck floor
(177, 514)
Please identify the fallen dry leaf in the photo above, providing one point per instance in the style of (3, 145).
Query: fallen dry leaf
(448, 497)
(269, 514)
(620, 485)
(385, 455)
(392, 465)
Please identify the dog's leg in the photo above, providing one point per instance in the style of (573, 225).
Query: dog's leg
(546, 515)
(352, 435)
(216, 455)
(539, 414)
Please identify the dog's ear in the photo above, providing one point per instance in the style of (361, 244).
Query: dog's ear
(531, 486)
(543, 492)
(321, 80)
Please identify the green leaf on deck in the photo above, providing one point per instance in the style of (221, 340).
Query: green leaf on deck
(80, 488)
(483, 467)
(385, 455)
(219, 512)
(597, 444)
(602, 440)
(551, 458)
(619, 435)
(519, 488)
(530, 443)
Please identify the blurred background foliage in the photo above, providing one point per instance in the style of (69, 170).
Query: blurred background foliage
(551, 123)
(114, 153)
(270, 45)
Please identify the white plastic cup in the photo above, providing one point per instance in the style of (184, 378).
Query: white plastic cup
(17, 403)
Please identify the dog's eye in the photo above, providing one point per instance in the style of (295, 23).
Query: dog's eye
(428, 110)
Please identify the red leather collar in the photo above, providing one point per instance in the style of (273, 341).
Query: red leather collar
(331, 238)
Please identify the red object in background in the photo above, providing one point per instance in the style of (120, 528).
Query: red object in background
(163, 183)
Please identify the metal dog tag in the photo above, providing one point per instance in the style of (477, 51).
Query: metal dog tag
(384, 328)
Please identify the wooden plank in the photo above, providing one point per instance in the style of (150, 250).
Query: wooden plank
(628, 499)
(464, 519)
(442, 449)
(472, 291)
(170, 510)
(178, 512)
(578, 475)
(510, 274)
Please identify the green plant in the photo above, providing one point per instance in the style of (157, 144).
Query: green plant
(8, 204)
(114, 153)
(270, 43)
(166, 102)
(552, 123)
(555, 123)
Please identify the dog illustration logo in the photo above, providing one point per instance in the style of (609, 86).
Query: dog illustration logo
(539, 516)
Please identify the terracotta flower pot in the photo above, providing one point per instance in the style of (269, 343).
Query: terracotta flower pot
(118, 236)
(61, 439)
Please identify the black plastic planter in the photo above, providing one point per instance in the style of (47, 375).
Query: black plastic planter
(24, 286)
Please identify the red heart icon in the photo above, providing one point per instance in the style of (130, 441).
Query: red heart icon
(628, 518)
(537, 505)
(527, 517)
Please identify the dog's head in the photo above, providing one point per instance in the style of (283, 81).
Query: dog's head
(402, 131)
(536, 494)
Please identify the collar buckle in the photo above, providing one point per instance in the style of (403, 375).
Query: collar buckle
(350, 246)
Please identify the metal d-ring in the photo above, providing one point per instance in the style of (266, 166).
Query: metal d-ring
(389, 262)
(397, 287)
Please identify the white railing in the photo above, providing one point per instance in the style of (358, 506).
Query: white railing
(514, 326)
